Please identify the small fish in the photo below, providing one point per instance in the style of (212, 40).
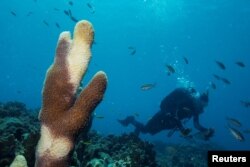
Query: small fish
(73, 19)
(185, 59)
(226, 81)
(221, 65)
(90, 6)
(132, 50)
(57, 25)
(217, 77)
(236, 134)
(13, 13)
(66, 12)
(147, 86)
(99, 116)
(71, 3)
(234, 122)
(245, 103)
(170, 69)
(87, 142)
(45, 22)
(213, 86)
(241, 64)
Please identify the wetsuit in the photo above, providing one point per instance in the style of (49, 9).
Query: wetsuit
(179, 105)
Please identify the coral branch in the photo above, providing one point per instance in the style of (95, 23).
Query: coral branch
(62, 113)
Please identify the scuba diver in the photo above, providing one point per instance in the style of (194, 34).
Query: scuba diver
(180, 105)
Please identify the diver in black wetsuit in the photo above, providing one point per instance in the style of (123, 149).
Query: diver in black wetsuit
(179, 105)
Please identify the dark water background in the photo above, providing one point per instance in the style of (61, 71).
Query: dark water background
(162, 31)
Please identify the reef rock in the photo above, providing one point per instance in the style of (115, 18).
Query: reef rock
(19, 132)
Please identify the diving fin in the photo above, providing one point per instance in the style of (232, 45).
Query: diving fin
(126, 121)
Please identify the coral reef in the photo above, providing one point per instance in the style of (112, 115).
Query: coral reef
(91, 149)
(186, 154)
(19, 134)
(126, 150)
(62, 113)
(19, 131)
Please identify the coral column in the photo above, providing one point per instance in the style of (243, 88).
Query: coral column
(63, 113)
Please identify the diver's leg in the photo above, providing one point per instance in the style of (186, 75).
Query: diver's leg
(139, 127)
(128, 120)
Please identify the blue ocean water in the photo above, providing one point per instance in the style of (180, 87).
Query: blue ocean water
(161, 31)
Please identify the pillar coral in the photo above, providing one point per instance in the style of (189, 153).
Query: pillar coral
(63, 113)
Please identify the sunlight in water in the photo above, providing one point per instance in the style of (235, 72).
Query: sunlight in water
(183, 81)
(165, 9)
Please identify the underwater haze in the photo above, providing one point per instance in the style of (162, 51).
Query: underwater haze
(136, 43)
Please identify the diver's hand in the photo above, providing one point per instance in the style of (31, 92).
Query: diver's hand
(186, 132)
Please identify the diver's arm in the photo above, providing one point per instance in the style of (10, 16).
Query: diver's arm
(183, 131)
(197, 123)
